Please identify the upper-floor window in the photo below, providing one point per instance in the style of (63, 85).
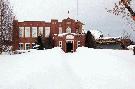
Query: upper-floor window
(77, 31)
(0, 19)
(60, 30)
(21, 31)
(34, 31)
(27, 31)
(68, 30)
(40, 31)
(54, 22)
(47, 31)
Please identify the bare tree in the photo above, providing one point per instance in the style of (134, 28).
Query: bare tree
(126, 35)
(6, 20)
(120, 8)
(124, 9)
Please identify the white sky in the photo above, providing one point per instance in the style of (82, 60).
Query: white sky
(91, 12)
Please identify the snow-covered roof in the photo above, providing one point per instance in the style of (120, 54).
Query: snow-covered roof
(96, 33)
(110, 38)
(63, 34)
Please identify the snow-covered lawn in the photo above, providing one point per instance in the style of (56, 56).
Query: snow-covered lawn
(54, 69)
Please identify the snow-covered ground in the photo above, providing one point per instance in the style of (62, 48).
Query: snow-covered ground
(54, 69)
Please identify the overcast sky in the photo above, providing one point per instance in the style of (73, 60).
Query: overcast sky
(91, 12)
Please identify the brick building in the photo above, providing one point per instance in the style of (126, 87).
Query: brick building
(67, 34)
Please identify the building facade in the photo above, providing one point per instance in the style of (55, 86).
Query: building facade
(68, 34)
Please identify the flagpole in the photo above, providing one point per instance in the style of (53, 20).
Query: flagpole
(77, 9)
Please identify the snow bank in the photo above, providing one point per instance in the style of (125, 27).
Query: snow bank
(83, 49)
(131, 47)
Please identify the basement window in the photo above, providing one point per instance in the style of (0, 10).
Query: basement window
(78, 44)
(60, 44)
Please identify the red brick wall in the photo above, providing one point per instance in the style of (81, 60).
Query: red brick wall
(15, 38)
(54, 29)
(79, 37)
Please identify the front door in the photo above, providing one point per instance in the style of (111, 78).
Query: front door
(69, 46)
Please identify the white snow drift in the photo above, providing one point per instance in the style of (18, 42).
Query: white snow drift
(54, 69)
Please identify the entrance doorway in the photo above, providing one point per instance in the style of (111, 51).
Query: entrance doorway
(69, 46)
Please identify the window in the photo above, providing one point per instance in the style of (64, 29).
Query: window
(27, 31)
(27, 46)
(47, 31)
(70, 37)
(60, 44)
(68, 30)
(60, 30)
(68, 23)
(40, 31)
(21, 31)
(34, 31)
(0, 19)
(20, 46)
(54, 22)
(78, 44)
(77, 31)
